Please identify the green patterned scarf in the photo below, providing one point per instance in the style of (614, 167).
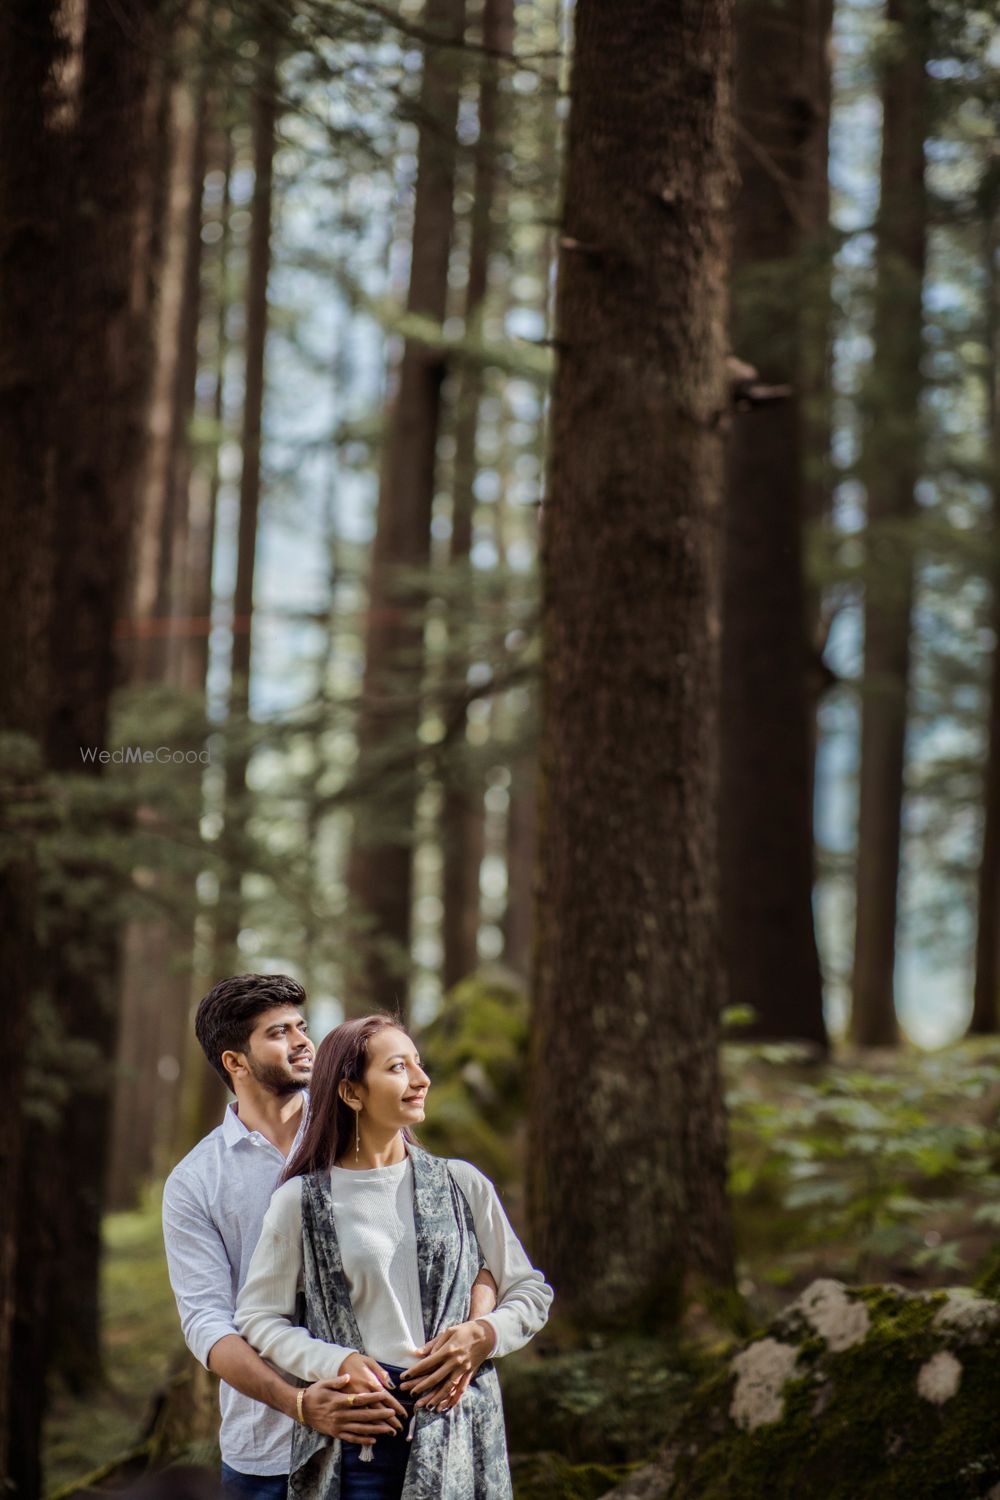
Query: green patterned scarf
(456, 1455)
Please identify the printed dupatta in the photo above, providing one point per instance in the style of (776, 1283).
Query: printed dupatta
(456, 1455)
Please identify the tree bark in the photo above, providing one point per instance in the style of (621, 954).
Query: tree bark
(98, 395)
(462, 812)
(155, 991)
(815, 369)
(772, 963)
(114, 289)
(29, 207)
(518, 926)
(381, 865)
(264, 125)
(890, 469)
(171, 405)
(985, 1011)
(193, 671)
(627, 1158)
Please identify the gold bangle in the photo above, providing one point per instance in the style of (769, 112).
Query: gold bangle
(299, 1397)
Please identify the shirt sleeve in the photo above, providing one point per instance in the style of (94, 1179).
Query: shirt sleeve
(265, 1312)
(523, 1295)
(200, 1274)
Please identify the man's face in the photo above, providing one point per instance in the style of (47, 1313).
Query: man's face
(280, 1053)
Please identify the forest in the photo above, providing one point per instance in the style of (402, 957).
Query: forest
(500, 521)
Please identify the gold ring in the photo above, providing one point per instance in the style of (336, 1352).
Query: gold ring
(350, 1400)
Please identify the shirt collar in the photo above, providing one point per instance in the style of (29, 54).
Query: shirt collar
(234, 1130)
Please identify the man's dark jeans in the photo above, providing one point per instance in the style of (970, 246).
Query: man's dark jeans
(253, 1486)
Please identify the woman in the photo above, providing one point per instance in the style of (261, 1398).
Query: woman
(385, 1242)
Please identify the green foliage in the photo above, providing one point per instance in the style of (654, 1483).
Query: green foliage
(478, 1047)
(548, 1476)
(865, 1168)
(614, 1405)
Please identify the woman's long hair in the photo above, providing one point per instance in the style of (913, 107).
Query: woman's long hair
(341, 1056)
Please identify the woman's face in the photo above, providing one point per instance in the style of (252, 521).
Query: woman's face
(395, 1085)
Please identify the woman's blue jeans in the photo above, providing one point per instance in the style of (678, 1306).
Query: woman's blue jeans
(381, 1477)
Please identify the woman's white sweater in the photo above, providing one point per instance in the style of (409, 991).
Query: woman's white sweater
(373, 1211)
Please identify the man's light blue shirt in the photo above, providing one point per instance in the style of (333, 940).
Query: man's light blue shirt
(214, 1203)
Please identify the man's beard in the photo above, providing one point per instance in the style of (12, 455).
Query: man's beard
(276, 1078)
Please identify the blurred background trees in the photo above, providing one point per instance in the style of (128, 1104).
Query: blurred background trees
(278, 326)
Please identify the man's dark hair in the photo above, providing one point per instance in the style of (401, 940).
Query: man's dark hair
(226, 1015)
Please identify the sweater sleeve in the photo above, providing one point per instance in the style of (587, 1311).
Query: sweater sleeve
(265, 1311)
(523, 1295)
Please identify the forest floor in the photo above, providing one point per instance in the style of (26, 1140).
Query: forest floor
(882, 1168)
(141, 1342)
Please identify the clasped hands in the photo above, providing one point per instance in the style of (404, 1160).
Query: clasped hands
(356, 1405)
(446, 1364)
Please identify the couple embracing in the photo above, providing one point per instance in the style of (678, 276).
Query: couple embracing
(350, 1290)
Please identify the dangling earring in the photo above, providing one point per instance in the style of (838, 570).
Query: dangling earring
(357, 1136)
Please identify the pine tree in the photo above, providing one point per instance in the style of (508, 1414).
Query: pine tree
(29, 208)
(766, 778)
(889, 469)
(381, 871)
(626, 1094)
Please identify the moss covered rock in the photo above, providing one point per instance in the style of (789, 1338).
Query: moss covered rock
(476, 1049)
(849, 1394)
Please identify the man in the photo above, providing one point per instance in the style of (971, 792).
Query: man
(252, 1031)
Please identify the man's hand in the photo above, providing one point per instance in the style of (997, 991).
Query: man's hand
(447, 1364)
(330, 1408)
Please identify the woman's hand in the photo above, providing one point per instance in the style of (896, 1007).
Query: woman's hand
(366, 1375)
(447, 1364)
(329, 1406)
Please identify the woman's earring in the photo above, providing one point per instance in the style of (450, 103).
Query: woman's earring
(357, 1136)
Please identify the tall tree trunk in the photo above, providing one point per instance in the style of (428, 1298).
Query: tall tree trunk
(264, 125)
(203, 517)
(814, 374)
(155, 992)
(29, 262)
(381, 866)
(114, 294)
(518, 926)
(986, 995)
(107, 272)
(890, 467)
(769, 941)
(165, 496)
(462, 812)
(627, 978)
(203, 1096)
